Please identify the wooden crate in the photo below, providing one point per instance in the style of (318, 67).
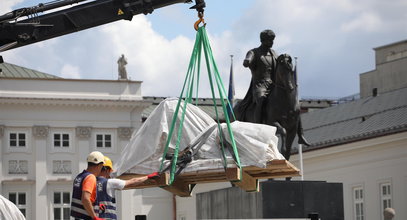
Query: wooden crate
(248, 179)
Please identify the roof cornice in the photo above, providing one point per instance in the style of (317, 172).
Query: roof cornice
(355, 138)
(75, 102)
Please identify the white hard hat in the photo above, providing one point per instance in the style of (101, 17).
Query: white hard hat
(389, 213)
(96, 157)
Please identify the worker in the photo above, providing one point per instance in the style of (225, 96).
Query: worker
(389, 213)
(84, 188)
(106, 188)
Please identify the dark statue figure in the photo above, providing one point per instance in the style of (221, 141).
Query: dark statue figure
(272, 97)
(283, 107)
(262, 63)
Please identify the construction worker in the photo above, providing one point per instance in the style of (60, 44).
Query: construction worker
(106, 188)
(84, 188)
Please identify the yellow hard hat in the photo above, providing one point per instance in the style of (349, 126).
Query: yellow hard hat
(108, 163)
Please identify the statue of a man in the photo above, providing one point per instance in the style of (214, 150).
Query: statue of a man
(262, 63)
(122, 62)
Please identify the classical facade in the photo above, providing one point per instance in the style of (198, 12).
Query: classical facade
(47, 128)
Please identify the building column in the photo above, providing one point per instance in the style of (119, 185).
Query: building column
(39, 146)
(83, 149)
(1, 157)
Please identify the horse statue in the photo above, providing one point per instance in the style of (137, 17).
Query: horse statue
(283, 107)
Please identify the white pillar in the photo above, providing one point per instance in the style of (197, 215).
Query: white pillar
(39, 147)
(1, 156)
(83, 148)
(301, 163)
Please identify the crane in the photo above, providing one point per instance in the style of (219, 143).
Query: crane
(25, 26)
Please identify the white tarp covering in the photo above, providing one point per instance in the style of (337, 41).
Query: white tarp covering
(9, 211)
(256, 143)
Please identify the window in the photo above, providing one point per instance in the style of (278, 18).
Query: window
(358, 199)
(17, 140)
(17, 167)
(385, 195)
(61, 204)
(20, 200)
(61, 140)
(103, 140)
(61, 167)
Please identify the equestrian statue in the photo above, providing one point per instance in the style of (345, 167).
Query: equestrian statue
(272, 97)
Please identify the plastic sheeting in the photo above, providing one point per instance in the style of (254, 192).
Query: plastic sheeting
(9, 211)
(256, 143)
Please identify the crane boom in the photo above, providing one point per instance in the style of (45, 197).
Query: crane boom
(16, 33)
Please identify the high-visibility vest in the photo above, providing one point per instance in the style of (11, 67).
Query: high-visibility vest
(104, 198)
(77, 209)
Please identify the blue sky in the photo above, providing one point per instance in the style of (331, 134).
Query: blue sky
(333, 40)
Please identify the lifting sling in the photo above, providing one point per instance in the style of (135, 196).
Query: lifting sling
(192, 81)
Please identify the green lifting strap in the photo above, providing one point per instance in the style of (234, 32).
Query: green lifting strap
(191, 80)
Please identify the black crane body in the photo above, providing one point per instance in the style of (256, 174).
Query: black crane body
(16, 32)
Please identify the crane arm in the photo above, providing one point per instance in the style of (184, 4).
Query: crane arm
(15, 32)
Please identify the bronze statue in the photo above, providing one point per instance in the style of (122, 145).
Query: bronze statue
(262, 63)
(272, 96)
(122, 62)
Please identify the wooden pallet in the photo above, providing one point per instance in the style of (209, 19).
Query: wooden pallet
(248, 179)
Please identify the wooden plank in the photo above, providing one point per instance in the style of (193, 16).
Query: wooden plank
(248, 180)
(179, 188)
(203, 172)
(162, 180)
(248, 183)
(292, 166)
(233, 174)
(274, 164)
(259, 172)
(207, 180)
(276, 175)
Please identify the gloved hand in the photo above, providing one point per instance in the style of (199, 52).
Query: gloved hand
(97, 218)
(153, 175)
(102, 208)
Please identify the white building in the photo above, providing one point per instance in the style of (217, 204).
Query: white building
(363, 143)
(49, 125)
(47, 128)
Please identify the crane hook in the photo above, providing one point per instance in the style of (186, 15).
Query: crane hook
(200, 20)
